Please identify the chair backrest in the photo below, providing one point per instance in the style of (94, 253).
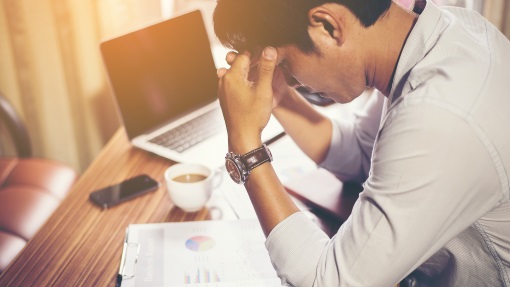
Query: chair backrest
(16, 128)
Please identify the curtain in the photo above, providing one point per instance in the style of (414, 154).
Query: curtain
(52, 71)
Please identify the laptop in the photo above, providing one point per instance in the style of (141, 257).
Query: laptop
(164, 81)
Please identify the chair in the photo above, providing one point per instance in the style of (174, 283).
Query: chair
(30, 188)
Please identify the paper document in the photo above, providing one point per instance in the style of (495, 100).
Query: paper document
(201, 253)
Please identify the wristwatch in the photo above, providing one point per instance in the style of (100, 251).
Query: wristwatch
(240, 166)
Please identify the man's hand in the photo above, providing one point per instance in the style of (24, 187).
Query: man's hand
(247, 105)
(280, 86)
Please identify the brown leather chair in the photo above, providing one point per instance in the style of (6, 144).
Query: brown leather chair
(30, 188)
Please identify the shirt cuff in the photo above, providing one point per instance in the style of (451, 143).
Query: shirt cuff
(295, 246)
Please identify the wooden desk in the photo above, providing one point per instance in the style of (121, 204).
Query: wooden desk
(80, 244)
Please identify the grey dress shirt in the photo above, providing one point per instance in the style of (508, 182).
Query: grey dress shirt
(434, 158)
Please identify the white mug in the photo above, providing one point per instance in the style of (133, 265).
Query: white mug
(190, 185)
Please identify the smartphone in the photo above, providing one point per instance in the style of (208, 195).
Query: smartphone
(123, 191)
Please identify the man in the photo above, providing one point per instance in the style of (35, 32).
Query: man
(432, 145)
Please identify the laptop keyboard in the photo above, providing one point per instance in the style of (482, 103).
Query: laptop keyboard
(193, 132)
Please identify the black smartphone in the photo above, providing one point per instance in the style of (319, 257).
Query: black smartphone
(123, 191)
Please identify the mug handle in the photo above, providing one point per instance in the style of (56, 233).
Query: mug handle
(217, 178)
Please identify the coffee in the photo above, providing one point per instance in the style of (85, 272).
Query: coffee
(189, 178)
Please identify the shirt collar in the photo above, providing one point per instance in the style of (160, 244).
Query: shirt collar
(418, 43)
(419, 6)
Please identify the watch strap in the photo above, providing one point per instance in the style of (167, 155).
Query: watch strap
(257, 157)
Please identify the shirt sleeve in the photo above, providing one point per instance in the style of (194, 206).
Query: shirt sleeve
(350, 150)
(431, 178)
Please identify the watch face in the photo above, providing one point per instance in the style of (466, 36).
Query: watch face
(233, 171)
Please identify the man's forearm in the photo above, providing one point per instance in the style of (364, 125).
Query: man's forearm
(310, 129)
(269, 198)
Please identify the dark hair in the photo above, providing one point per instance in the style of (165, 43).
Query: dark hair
(246, 24)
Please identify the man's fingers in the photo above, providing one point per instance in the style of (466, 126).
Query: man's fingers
(231, 56)
(221, 72)
(241, 64)
(267, 65)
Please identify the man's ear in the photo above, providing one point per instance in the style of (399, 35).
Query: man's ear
(326, 22)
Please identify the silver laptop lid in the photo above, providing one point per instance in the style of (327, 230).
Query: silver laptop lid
(161, 72)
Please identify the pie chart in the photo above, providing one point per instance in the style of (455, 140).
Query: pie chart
(200, 243)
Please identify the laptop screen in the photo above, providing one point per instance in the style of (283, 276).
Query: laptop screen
(161, 72)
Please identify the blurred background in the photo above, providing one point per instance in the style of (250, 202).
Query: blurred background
(51, 69)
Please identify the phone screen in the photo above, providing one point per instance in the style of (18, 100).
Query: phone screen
(123, 191)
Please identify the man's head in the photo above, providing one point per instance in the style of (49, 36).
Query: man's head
(336, 48)
(247, 24)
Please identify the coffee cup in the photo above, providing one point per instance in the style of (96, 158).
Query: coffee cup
(190, 185)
